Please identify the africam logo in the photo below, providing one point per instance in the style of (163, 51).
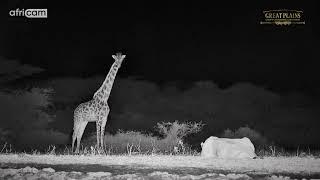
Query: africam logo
(283, 17)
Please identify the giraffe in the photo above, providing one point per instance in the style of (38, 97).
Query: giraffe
(97, 109)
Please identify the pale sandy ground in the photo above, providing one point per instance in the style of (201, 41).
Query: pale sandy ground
(268, 165)
(49, 173)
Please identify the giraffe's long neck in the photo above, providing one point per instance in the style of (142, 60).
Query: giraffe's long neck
(103, 92)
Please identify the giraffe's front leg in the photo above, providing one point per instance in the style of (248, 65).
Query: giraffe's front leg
(103, 125)
(98, 124)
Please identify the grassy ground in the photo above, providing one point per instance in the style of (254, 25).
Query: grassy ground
(135, 149)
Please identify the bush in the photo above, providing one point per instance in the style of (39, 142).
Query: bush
(133, 142)
(4, 135)
(24, 111)
(174, 134)
(256, 138)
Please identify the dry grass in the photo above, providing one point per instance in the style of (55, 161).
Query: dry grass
(132, 142)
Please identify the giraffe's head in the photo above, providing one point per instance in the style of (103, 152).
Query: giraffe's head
(118, 58)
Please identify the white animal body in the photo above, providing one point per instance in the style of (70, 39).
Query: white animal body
(228, 148)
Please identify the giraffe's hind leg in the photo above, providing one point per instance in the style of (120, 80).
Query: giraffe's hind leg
(75, 133)
(82, 126)
(74, 136)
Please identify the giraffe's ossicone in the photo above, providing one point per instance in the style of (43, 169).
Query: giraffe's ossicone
(97, 109)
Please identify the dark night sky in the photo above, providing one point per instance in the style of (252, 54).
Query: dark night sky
(221, 42)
